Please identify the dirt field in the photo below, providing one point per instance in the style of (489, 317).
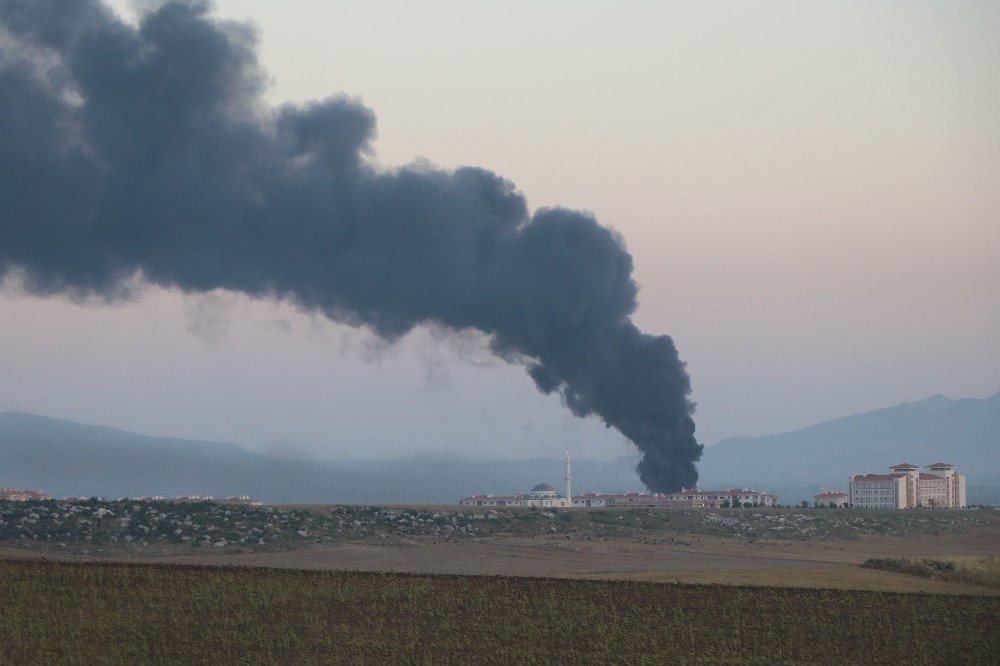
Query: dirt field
(697, 559)
(117, 613)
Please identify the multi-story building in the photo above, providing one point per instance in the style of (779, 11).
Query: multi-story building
(878, 491)
(907, 487)
(942, 487)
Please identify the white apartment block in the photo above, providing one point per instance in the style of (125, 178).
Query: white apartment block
(907, 488)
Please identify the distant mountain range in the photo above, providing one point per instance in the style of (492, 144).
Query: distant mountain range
(965, 433)
(69, 459)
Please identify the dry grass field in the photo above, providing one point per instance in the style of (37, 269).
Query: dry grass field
(704, 559)
(974, 570)
(830, 564)
(785, 547)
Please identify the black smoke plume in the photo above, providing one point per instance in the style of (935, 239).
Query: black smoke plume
(147, 151)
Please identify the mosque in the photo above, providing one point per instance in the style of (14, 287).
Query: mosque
(542, 496)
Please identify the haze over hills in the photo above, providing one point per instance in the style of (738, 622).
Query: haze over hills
(69, 459)
(965, 433)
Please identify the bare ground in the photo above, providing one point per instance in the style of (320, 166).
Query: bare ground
(697, 559)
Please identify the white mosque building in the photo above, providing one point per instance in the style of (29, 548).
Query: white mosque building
(542, 496)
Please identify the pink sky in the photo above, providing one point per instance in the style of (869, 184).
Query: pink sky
(811, 194)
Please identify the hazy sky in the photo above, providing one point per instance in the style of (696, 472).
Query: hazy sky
(811, 193)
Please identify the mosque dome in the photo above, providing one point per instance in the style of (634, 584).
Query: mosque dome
(543, 489)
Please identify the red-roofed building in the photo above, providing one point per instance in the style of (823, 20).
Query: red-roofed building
(878, 491)
(834, 498)
(908, 488)
(542, 496)
(491, 500)
(18, 495)
(690, 498)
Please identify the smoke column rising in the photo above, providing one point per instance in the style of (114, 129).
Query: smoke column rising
(147, 151)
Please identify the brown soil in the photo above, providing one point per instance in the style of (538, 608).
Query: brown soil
(829, 564)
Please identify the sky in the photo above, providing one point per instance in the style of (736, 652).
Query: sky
(810, 193)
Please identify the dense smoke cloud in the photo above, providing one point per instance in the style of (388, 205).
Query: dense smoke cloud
(147, 151)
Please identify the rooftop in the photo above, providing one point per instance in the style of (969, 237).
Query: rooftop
(493, 497)
(876, 477)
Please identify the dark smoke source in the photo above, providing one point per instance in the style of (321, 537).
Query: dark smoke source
(148, 151)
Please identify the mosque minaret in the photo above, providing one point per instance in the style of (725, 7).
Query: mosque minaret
(569, 480)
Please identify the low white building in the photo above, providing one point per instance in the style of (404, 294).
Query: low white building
(834, 498)
(542, 496)
(686, 497)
